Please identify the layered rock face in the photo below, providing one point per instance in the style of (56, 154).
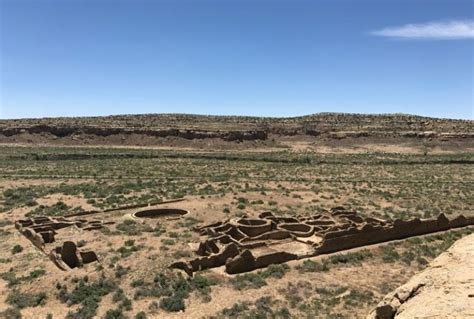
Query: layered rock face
(332, 126)
(443, 290)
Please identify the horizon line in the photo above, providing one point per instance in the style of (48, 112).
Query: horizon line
(237, 115)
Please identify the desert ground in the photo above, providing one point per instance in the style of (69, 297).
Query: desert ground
(219, 169)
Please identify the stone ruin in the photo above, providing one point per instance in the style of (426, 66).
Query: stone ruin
(42, 231)
(245, 244)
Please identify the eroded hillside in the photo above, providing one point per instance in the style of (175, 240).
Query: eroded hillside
(317, 131)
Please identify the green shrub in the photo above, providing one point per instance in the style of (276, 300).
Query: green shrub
(408, 256)
(189, 221)
(36, 273)
(19, 196)
(389, 254)
(236, 310)
(351, 258)
(10, 277)
(248, 280)
(168, 242)
(126, 251)
(58, 209)
(129, 227)
(170, 287)
(129, 242)
(114, 314)
(312, 266)
(121, 271)
(17, 249)
(201, 282)
(356, 298)
(141, 315)
(126, 304)
(203, 285)
(275, 271)
(88, 295)
(11, 313)
(174, 289)
(13, 280)
(120, 297)
(23, 300)
(173, 303)
(261, 308)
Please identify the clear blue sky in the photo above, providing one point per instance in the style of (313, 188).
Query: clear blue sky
(272, 58)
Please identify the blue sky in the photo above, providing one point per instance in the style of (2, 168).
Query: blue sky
(270, 58)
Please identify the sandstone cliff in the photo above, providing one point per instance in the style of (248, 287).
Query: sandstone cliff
(443, 290)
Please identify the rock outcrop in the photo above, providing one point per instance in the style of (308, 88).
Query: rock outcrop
(332, 126)
(190, 134)
(443, 290)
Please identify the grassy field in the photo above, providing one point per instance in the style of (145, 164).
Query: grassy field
(387, 185)
(132, 279)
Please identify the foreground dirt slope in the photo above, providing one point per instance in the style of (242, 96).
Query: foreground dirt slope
(444, 289)
(226, 131)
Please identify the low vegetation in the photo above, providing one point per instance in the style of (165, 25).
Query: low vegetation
(173, 289)
(86, 295)
(134, 256)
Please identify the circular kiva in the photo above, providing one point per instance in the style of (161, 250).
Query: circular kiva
(160, 213)
(253, 227)
(297, 229)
